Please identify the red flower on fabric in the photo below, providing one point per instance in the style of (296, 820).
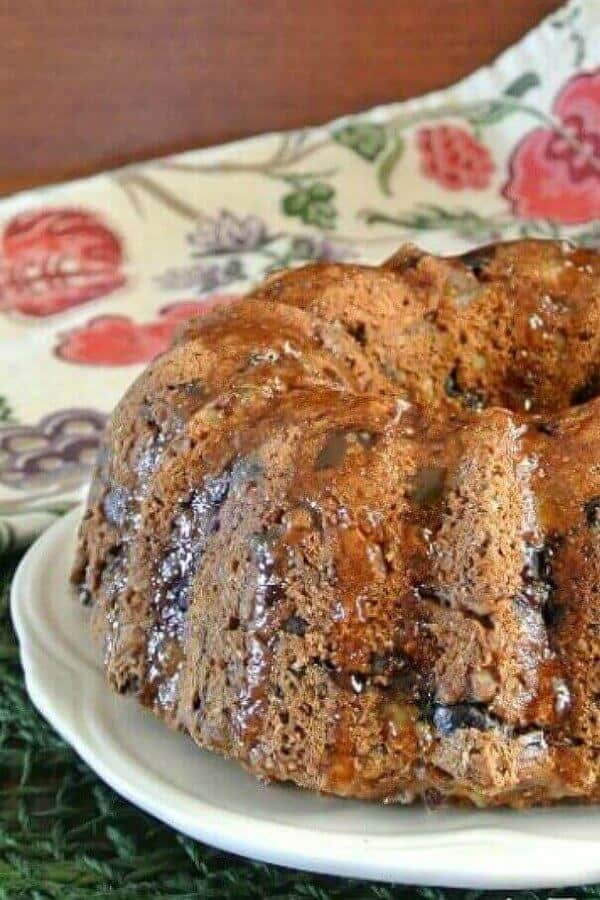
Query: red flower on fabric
(53, 259)
(119, 341)
(555, 173)
(454, 158)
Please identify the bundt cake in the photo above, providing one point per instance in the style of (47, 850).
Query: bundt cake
(346, 530)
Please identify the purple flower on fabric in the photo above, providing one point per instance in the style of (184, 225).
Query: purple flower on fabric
(200, 278)
(228, 233)
(60, 449)
(320, 249)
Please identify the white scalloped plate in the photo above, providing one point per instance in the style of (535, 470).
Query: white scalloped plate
(213, 800)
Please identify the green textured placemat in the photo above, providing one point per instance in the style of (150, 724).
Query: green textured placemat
(64, 834)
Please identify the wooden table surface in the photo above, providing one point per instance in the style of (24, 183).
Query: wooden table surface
(88, 84)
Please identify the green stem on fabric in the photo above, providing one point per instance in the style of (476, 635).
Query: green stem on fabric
(293, 149)
(131, 178)
(282, 158)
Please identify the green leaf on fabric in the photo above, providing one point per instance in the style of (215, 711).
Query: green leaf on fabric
(294, 204)
(313, 204)
(493, 111)
(320, 191)
(490, 113)
(388, 164)
(467, 223)
(365, 138)
(522, 84)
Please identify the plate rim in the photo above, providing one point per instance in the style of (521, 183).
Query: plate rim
(408, 858)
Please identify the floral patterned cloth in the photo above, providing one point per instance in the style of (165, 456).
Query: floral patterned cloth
(96, 274)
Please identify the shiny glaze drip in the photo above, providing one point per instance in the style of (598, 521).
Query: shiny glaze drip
(268, 589)
(116, 505)
(161, 421)
(196, 520)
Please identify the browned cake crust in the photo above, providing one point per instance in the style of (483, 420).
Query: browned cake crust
(347, 530)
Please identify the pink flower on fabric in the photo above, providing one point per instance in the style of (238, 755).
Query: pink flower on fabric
(555, 173)
(120, 341)
(53, 259)
(454, 158)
